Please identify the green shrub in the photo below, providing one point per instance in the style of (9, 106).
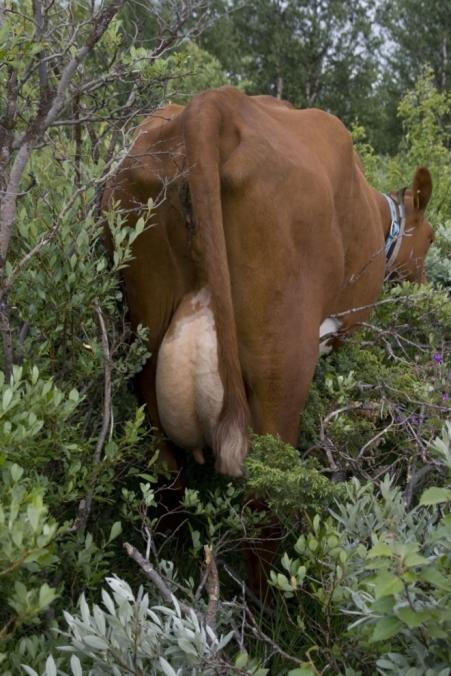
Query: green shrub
(28, 553)
(288, 484)
(385, 566)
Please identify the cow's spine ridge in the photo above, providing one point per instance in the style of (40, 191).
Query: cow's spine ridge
(202, 122)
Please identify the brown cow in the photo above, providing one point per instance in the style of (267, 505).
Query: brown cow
(264, 227)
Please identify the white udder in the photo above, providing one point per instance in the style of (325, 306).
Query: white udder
(327, 330)
(190, 393)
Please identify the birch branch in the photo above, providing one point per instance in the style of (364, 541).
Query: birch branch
(101, 23)
(155, 578)
(41, 122)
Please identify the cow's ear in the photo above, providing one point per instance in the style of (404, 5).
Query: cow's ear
(422, 188)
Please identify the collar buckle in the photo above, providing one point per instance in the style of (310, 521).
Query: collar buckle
(397, 229)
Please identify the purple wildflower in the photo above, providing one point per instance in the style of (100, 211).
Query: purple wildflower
(437, 358)
(415, 419)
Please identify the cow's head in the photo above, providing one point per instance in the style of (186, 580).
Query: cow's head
(418, 234)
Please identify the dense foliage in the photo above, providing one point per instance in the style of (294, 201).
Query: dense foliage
(360, 581)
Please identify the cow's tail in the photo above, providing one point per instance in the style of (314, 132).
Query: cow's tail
(202, 123)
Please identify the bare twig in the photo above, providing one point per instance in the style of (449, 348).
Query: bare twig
(78, 141)
(246, 592)
(259, 633)
(384, 301)
(85, 505)
(107, 417)
(39, 21)
(373, 440)
(212, 586)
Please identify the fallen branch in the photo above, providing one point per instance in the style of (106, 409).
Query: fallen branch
(155, 578)
(212, 583)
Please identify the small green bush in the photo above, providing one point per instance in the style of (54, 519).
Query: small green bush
(276, 473)
(385, 566)
(28, 553)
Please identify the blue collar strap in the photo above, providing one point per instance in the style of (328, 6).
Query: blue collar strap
(395, 234)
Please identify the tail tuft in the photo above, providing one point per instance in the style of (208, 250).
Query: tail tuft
(231, 448)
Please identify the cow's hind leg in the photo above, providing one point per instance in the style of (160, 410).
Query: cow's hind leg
(278, 389)
(278, 380)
